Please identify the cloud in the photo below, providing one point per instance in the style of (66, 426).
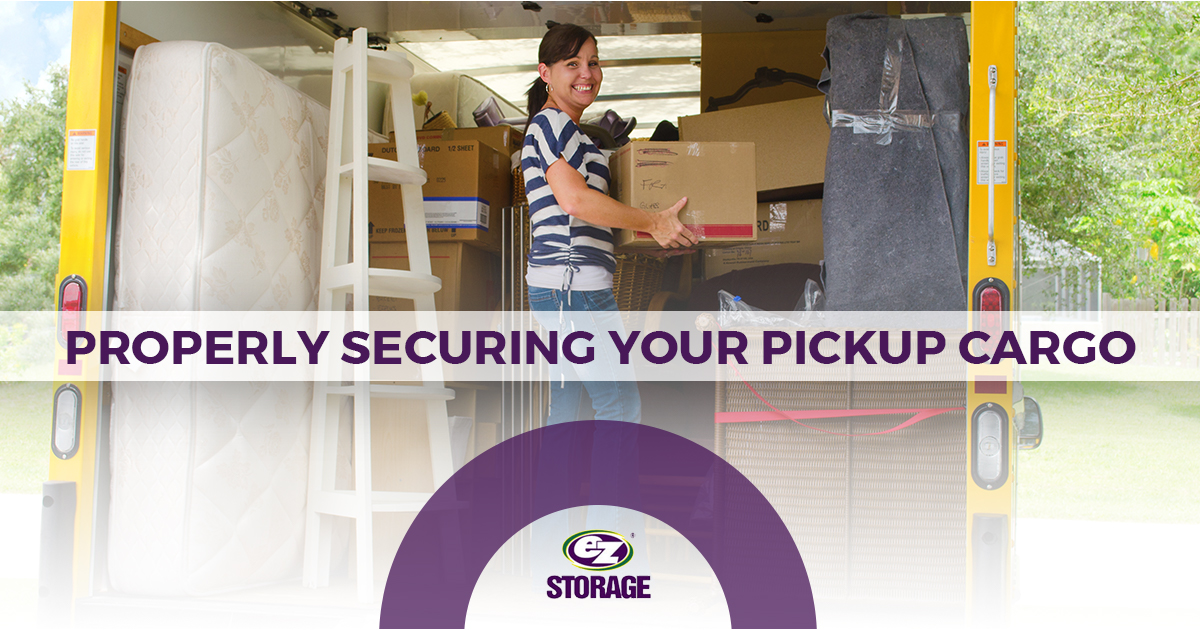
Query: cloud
(34, 35)
(58, 31)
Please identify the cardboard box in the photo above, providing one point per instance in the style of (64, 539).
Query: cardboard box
(788, 232)
(502, 138)
(790, 141)
(731, 59)
(470, 276)
(469, 182)
(716, 177)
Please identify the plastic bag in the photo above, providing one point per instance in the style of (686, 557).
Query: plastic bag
(811, 306)
(737, 312)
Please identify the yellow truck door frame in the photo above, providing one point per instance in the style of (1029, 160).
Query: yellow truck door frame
(991, 496)
(86, 212)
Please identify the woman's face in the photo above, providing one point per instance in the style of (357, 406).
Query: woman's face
(575, 82)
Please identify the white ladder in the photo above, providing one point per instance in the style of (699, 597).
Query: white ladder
(345, 270)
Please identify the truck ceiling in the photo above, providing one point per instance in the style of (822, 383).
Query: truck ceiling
(651, 50)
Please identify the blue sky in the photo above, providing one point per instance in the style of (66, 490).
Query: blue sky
(33, 35)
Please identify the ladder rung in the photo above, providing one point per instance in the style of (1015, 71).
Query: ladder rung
(381, 66)
(402, 284)
(384, 66)
(345, 503)
(383, 282)
(409, 392)
(390, 171)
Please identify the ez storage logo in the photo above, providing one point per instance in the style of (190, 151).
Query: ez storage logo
(598, 550)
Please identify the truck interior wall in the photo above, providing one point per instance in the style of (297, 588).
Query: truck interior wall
(275, 39)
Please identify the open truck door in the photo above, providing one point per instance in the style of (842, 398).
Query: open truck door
(997, 420)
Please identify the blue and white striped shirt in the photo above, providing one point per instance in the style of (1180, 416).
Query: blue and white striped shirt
(559, 238)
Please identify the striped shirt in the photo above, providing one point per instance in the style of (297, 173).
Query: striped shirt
(559, 238)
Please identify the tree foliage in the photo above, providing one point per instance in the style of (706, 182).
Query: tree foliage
(1109, 106)
(32, 139)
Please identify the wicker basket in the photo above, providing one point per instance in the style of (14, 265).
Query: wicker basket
(518, 196)
(441, 121)
(637, 278)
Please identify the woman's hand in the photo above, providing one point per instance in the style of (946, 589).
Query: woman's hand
(668, 231)
(578, 200)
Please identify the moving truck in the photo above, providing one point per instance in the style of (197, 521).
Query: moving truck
(293, 41)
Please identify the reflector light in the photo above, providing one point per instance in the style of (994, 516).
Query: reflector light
(991, 305)
(989, 446)
(72, 302)
(989, 459)
(67, 403)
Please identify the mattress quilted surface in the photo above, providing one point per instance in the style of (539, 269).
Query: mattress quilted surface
(222, 189)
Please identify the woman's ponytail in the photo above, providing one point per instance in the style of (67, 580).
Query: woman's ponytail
(537, 100)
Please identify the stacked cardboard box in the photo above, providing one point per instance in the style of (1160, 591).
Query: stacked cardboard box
(788, 232)
(469, 182)
(470, 276)
(790, 141)
(502, 138)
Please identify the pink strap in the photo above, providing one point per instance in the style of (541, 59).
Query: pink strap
(796, 416)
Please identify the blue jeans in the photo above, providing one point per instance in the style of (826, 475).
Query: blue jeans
(614, 395)
(611, 386)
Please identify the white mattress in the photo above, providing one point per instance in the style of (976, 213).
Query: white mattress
(222, 193)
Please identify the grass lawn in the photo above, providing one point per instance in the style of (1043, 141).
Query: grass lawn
(25, 410)
(1114, 452)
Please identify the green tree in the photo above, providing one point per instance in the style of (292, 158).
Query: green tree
(1109, 105)
(32, 138)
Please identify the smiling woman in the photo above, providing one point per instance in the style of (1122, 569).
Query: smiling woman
(571, 260)
(571, 216)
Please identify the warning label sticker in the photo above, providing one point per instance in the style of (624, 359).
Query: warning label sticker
(981, 161)
(81, 150)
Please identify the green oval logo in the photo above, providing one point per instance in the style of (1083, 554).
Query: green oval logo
(598, 550)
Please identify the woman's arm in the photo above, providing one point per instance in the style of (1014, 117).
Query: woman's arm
(597, 208)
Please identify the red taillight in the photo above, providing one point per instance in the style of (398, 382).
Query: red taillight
(72, 302)
(991, 317)
(990, 300)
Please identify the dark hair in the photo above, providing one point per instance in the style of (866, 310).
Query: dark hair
(562, 41)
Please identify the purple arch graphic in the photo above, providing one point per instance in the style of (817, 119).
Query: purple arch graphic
(573, 464)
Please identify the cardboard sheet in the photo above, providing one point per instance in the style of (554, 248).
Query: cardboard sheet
(790, 140)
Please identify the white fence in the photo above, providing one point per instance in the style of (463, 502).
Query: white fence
(1170, 337)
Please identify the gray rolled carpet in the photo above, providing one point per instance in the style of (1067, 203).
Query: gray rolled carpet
(895, 204)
